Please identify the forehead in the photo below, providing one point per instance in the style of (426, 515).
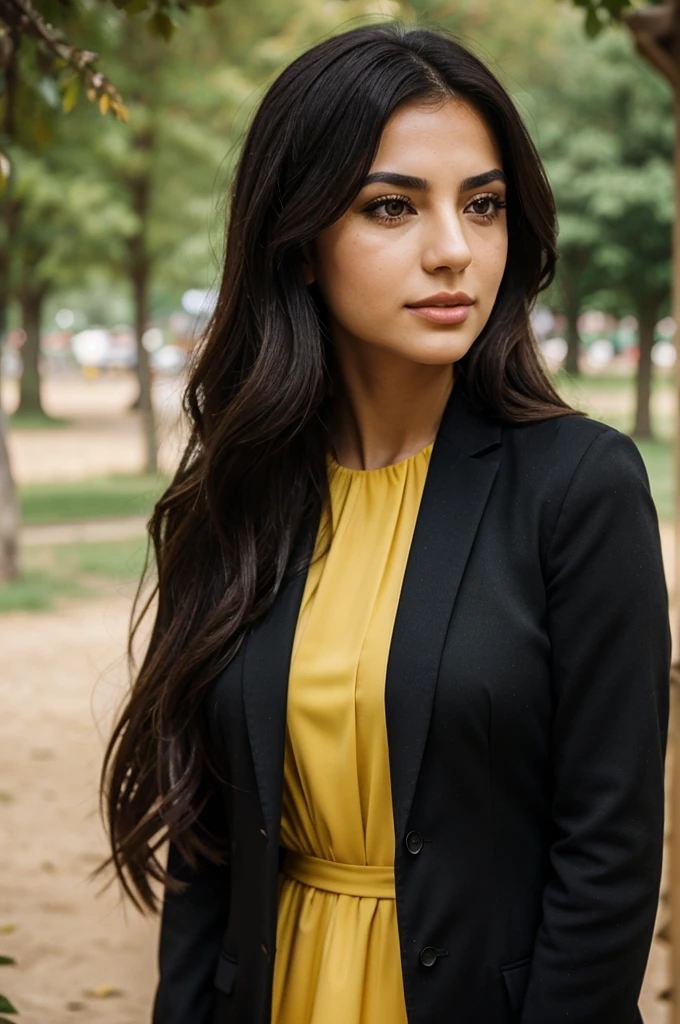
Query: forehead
(450, 136)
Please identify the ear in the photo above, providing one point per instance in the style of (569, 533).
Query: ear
(307, 267)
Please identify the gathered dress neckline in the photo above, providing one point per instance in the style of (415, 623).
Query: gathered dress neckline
(337, 952)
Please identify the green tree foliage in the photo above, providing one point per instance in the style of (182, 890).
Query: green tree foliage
(599, 14)
(63, 217)
(168, 161)
(605, 131)
(42, 71)
(69, 219)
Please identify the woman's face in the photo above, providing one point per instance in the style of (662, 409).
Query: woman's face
(420, 230)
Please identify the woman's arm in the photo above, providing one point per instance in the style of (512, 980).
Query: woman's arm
(610, 638)
(192, 925)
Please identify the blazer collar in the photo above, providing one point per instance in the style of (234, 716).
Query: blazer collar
(456, 490)
(468, 428)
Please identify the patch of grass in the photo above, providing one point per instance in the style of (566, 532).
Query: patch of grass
(111, 497)
(121, 560)
(36, 591)
(50, 574)
(36, 421)
(607, 382)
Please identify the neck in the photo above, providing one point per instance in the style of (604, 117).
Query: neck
(385, 407)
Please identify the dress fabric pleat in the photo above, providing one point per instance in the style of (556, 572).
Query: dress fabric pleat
(337, 951)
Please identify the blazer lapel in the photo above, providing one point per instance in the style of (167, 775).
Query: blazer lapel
(455, 493)
(456, 490)
(267, 657)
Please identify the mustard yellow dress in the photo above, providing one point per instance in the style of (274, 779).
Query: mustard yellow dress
(337, 951)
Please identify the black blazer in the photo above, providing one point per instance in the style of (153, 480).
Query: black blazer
(527, 710)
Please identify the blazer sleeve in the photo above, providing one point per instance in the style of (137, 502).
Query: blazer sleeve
(192, 925)
(607, 607)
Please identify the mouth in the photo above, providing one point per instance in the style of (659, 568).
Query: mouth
(443, 308)
(442, 300)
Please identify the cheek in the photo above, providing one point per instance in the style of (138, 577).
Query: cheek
(491, 266)
(492, 258)
(357, 265)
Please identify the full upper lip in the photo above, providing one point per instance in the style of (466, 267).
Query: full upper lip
(444, 299)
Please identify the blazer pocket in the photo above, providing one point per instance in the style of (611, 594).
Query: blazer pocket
(516, 978)
(226, 972)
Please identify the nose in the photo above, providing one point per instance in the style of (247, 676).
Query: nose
(445, 246)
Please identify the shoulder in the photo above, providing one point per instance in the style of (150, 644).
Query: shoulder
(573, 448)
(557, 434)
(576, 474)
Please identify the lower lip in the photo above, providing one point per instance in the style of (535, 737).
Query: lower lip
(442, 314)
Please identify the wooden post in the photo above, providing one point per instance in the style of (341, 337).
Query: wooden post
(657, 37)
(675, 704)
(674, 801)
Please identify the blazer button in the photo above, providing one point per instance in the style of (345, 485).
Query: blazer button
(428, 956)
(414, 842)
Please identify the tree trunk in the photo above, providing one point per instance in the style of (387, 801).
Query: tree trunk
(31, 301)
(9, 506)
(9, 513)
(140, 273)
(140, 287)
(572, 311)
(10, 206)
(647, 316)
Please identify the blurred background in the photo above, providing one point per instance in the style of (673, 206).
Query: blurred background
(120, 124)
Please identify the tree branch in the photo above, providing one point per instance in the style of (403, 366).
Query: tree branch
(654, 30)
(23, 15)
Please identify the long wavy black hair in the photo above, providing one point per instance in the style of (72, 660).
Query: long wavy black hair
(252, 479)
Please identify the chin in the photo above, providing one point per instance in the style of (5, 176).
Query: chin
(438, 351)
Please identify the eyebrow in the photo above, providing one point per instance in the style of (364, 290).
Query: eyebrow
(422, 184)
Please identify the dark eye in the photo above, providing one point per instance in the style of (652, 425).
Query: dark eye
(485, 201)
(389, 209)
(394, 207)
(493, 205)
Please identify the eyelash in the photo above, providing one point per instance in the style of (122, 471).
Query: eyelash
(375, 204)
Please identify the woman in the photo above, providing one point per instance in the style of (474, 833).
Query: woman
(403, 711)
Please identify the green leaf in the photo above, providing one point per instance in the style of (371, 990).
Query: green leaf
(3, 1020)
(160, 24)
(593, 24)
(136, 6)
(599, 13)
(6, 961)
(71, 94)
(617, 7)
(6, 1006)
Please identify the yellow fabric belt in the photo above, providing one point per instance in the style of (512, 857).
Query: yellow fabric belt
(349, 879)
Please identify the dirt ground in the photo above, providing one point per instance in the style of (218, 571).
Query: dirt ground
(82, 956)
(62, 675)
(103, 437)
